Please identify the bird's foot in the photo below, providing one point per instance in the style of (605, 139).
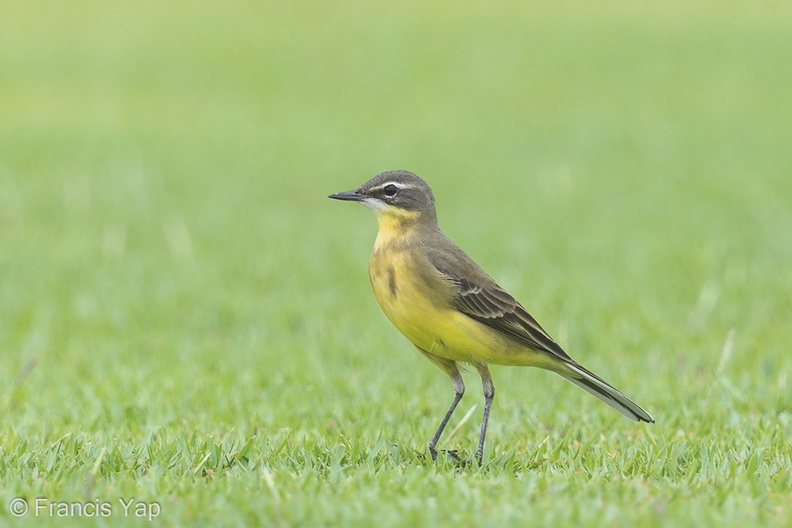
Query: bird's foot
(453, 454)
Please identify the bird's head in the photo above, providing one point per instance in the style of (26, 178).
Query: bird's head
(394, 196)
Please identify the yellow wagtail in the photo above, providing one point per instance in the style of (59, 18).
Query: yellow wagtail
(449, 308)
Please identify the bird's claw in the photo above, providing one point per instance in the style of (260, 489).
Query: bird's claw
(453, 454)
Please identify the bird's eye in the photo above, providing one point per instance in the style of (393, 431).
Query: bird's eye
(390, 190)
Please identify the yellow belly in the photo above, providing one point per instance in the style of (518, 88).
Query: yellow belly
(420, 310)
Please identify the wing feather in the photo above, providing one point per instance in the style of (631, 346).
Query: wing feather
(494, 307)
(477, 295)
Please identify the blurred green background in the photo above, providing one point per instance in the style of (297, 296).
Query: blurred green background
(172, 272)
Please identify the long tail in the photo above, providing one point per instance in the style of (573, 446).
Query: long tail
(593, 384)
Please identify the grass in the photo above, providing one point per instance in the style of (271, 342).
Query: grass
(185, 318)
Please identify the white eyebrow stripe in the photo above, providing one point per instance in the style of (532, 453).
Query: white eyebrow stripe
(399, 185)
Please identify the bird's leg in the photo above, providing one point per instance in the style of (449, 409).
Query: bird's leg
(459, 390)
(489, 394)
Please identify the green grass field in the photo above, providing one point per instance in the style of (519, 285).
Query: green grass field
(186, 320)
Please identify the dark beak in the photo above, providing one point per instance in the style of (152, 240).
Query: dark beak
(352, 196)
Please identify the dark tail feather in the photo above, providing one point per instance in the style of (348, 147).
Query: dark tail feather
(593, 384)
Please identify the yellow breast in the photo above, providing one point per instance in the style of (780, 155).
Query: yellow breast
(416, 299)
(396, 291)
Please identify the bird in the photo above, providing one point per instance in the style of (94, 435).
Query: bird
(450, 308)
